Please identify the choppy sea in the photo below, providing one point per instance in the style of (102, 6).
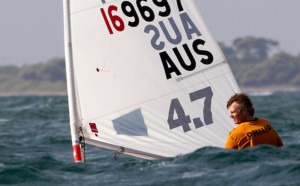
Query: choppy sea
(35, 149)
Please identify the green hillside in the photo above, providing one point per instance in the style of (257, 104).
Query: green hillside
(259, 62)
(42, 78)
(255, 62)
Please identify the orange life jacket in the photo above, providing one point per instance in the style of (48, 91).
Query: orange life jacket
(249, 134)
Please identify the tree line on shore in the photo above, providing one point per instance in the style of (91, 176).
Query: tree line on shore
(255, 62)
(40, 77)
(259, 62)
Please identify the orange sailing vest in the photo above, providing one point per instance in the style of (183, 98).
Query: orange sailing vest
(249, 134)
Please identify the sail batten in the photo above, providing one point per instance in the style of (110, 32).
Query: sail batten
(146, 76)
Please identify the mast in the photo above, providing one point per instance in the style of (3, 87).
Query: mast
(78, 149)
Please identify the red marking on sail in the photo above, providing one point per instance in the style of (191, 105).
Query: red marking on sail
(94, 129)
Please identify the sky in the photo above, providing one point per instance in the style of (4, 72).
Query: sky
(31, 31)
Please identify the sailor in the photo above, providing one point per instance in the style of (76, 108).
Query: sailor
(250, 131)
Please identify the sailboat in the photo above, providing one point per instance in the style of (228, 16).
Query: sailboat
(145, 78)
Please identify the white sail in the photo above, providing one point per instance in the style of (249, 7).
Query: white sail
(145, 77)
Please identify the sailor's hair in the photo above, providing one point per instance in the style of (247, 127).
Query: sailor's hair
(243, 100)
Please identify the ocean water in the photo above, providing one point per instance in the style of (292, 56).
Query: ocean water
(35, 149)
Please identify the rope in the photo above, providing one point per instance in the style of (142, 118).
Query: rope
(81, 140)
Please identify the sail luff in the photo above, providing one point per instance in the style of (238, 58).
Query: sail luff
(73, 111)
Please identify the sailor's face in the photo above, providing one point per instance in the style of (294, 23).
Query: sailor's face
(236, 113)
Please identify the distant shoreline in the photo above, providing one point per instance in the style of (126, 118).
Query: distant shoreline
(269, 89)
(245, 89)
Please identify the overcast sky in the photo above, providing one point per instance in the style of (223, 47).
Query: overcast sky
(31, 31)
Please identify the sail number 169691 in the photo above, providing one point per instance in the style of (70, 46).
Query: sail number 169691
(143, 11)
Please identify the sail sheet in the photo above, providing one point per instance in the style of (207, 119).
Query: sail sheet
(145, 77)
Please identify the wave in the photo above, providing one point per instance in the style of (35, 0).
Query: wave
(36, 150)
